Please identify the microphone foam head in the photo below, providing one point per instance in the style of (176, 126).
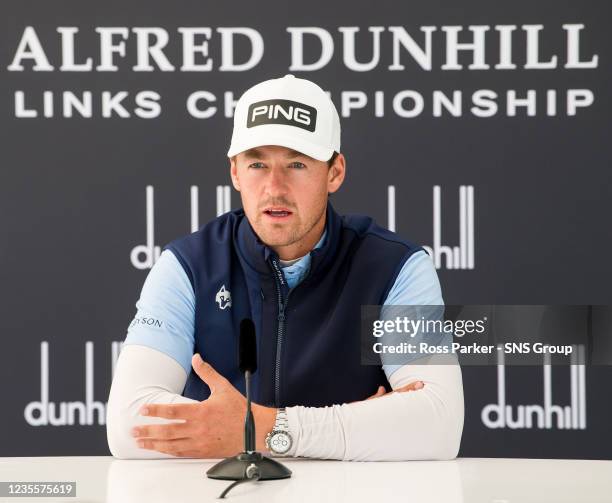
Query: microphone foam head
(247, 347)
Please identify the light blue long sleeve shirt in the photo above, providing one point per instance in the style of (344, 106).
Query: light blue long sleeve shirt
(165, 317)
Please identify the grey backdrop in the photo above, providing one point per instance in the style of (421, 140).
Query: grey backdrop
(72, 190)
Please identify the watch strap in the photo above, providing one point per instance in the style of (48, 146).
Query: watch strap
(282, 421)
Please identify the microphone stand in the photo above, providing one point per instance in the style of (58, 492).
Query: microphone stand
(249, 422)
(249, 464)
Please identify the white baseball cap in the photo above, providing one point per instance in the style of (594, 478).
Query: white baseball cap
(290, 112)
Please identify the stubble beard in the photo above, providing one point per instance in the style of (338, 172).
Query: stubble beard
(295, 234)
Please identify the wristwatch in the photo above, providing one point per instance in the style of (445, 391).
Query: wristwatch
(279, 440)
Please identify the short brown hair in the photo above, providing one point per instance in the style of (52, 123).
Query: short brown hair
(332, 159)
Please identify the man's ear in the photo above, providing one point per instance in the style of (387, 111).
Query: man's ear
(234, 173)
(336, 173)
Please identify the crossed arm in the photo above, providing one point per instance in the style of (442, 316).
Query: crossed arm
(425, 423)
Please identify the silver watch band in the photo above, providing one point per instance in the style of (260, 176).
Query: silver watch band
(282, 421)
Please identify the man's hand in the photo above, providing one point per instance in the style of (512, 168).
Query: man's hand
(212, 428)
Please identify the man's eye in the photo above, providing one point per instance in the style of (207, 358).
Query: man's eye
(298, 165)
(257, 165)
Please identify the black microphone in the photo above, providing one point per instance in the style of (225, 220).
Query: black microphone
(249, 465)
(247, 363)
(247, 347)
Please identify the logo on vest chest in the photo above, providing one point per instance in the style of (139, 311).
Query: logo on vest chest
(223, 298)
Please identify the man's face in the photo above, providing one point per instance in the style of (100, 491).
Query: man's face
(284, 193)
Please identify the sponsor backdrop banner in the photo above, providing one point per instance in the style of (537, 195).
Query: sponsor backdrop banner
(481, 130)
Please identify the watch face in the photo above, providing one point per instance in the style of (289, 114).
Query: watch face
(280, 442)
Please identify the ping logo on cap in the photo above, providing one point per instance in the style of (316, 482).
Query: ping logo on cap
(290, 113)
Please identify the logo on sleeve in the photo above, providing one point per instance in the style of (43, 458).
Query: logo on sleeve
(152, 322)
(223, 298)
(287, 112)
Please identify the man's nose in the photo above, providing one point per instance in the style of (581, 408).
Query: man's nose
(276, 182)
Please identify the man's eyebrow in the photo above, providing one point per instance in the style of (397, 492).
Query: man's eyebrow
(294, 153)
(255, 153)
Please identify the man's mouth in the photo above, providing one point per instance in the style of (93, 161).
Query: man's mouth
(278, 212)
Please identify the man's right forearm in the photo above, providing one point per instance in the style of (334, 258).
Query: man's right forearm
(131, 388)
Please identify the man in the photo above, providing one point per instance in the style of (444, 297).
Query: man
(302, 272)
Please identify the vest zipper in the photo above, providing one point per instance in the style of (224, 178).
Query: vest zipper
(280, 332)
